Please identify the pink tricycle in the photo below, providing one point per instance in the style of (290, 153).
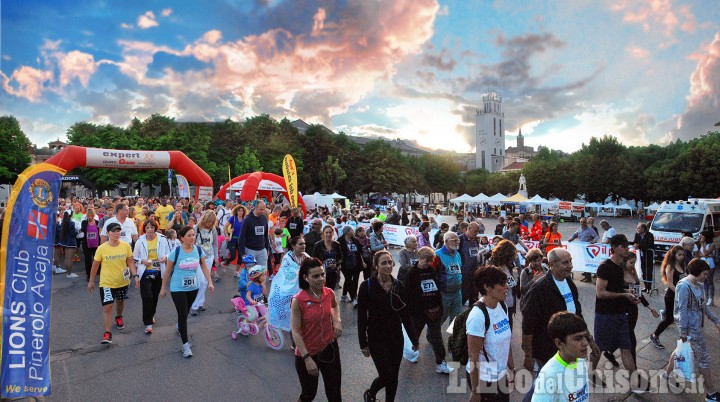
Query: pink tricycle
(251, 318)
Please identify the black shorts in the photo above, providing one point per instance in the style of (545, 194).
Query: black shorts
(109, 295)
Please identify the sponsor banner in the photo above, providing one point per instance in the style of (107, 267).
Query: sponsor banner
(26, 274)
(119, 159)
(290, 175)
(395, 234)
(183, 187)
(268, 185)
(205, 193)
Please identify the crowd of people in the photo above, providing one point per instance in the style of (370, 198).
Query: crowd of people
(473, 282)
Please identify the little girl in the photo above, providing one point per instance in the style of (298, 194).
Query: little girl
(172, 238)
(276, 243)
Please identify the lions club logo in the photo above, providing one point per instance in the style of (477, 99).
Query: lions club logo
(41, 194)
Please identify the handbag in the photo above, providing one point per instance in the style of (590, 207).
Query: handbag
(684, 361)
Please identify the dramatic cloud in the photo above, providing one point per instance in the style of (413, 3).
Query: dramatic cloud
(703, 101)
(27, 82)
(657, 13)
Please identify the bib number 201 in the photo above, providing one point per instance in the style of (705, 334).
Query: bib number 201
(189, 282)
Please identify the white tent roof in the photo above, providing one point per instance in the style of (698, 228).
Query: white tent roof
(594, 205)
(537, 200)
(624, 206)
(498, 197)
(336, 196)
(653, 207)
(463, 198)
(610, 206)
(481, 198)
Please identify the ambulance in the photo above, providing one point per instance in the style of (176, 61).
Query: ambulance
(674, 218)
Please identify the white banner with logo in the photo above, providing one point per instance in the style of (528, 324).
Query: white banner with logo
(205, 193)
(115, 158)
(395, 234)
(587, 257)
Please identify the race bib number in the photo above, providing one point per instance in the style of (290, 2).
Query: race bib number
(511, 281)
(122, 234)
(330, 264)
(107, 295)
(473, 252)
(454, 269)
(126, 274)
(189, 282)
(205, 241)
(259, 230)
(413, 262)
(352, 248)
(293, 226)
(636, 290)
(156, 264)
(92, 235)
(428, 285)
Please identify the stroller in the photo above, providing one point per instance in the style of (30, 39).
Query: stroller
(249, 321)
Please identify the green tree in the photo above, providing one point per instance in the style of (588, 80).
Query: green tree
(14, 149)
(247, 162)
(331, 174)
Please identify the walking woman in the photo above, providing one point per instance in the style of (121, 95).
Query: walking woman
(503, 257)
(672, 269)
(150, 256)
(364, 241)
(232, 235)
(382, 310)
(692, 310)
(188, 258)
(286, 285)
(708, 252)
(331, 254)
(377, 239)
(90, 239)
(316, 325)
(207, 240)
(352, 264)
(68, 241)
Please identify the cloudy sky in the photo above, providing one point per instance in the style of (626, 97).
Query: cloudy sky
(643, 71)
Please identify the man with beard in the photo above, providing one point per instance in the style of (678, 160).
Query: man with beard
(314, 235)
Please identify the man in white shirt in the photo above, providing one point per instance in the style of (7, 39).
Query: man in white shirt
(224, 214)
(128, 231)
(609, 231)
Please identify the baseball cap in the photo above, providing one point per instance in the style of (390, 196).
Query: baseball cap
(113, 227)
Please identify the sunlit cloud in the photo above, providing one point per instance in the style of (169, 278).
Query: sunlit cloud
(147, 20)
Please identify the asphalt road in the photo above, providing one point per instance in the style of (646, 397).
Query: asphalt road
(150, 367)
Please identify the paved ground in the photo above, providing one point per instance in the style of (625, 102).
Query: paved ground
(141, 367)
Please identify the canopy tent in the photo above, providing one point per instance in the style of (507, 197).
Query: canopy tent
(517, 198)
(462, 198)
(538, 200)
(336, 196)
(653, 207)
(499, 197)
(481, 198)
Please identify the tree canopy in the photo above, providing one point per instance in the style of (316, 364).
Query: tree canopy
(14, 147)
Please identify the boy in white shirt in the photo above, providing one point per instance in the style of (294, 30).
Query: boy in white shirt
(564, 378)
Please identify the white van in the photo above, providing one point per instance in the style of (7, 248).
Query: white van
(675, 217)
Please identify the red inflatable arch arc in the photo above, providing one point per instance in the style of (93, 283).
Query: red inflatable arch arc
(262, 183)
(72, 157)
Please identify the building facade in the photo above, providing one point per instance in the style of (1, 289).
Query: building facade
(490, 134)
(521, 151)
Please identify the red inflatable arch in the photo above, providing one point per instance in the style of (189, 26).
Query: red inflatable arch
(262, 183)
(72, 157)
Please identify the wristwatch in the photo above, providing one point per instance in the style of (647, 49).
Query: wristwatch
(136, 276)
(305, 356)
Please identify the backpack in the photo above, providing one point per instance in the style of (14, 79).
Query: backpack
(457, 343)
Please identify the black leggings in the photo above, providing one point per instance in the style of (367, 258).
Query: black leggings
(232, 247)
(89, 254)
(669, 312)
(328, 363)
(150, 285)
(352, 275)
(183, 301)
(387, 356)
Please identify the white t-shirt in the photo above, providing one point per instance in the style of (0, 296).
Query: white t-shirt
(573, 386)
(126, 233)
(566, 294)
(608, 235)
(497, 341)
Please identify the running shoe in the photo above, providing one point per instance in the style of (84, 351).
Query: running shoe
(715, 396)
(354, 303)
(193, 312)
(58, 270)
(72, 276)
(443, 368)
(186, 352)
(107, 338)
(119, 324)
(201, 308)
(346, 299)
(148, 329)
(655, 341)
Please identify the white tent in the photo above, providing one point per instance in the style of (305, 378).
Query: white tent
(653, 207)
(481, 198)
(336, 196)
(497, 199)
(462, 198)
(537, 200)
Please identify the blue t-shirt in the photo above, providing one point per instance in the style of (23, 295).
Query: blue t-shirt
(256, 292)
(236, 225)
(185, 272)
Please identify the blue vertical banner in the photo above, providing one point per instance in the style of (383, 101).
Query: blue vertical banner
(26, 282)
(183, 186)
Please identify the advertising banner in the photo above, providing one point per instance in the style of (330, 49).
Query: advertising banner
(205, 193)
(183, 186)
(113, 158)
(26, 272)
(290, 175)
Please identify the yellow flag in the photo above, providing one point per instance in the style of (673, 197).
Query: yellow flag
(229, 177)
(290, 175)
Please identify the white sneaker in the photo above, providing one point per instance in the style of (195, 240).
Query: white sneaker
(443, 368)
(187, 353)
(58, 270)
(72, 276)
(355, 303)
(710, 302)
(346, 299)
